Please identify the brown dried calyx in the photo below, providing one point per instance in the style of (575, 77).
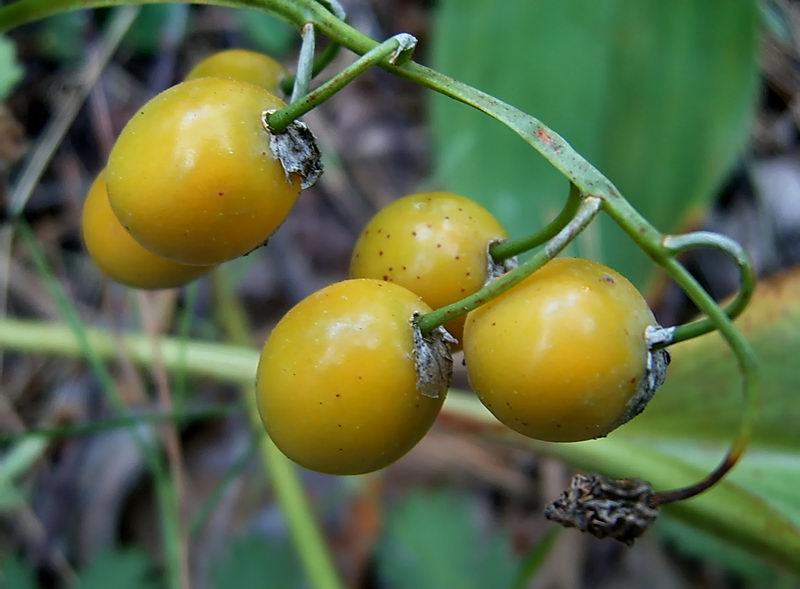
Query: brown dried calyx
(433, 360)
(296, 149)
(605, 508)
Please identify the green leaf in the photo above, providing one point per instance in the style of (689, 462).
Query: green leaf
(658, 95)
(10, 70)
(691, 542)
(129, 569)
(144, 36)
(266, 32)
(61, 37)
(685, 431)
(252, 563)
(433, 540)
(11, 497)
(15, 573)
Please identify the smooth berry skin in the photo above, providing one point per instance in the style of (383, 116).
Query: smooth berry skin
(120, 256)
(559, 356)
(243, 65)
(433, 243)
(336, 384)
(192, 177)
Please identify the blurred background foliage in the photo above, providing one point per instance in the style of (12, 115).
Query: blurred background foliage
(690, 107)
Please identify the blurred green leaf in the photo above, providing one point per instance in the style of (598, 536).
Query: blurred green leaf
(434, 540)
(535, 558)
(701, 400)
(267, 33)
(658, 95)
(253, 563)
(10, 70)
(691, 542)
(15, 573)
(10, 497)
(129, 569)
(61, 37)
(686, 428)
(144, 36)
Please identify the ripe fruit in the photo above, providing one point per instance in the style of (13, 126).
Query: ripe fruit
(560, 356)
(118, 255)
(192, 177)
(243, 65)
(336, 383)
(433, 243)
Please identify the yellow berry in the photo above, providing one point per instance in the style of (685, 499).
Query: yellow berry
(243, 65)
(560, 356)
(119, 256)
(192, 177)
(432, 243)
(336, 382)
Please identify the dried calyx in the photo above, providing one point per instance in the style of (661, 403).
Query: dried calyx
(496, 269)
(655, 373)
(605, 508)
(296, 149)
(432, 360)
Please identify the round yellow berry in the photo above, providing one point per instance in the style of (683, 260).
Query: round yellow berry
(336, 382)
(433, 243)
(560, 356)
(192, 177)
(243, 65)
(120, 256)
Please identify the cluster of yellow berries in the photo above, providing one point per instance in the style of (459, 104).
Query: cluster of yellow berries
(191, 183)
(562, 356)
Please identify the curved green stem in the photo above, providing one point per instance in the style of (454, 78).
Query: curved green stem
(748, 366)
(589, 181)
(676, 244)
(584, 215)
(390, 50)
(321, 61)
(305, 63)
(503, 250)
(650, 240)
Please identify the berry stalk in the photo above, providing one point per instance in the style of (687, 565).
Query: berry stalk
(587, 210)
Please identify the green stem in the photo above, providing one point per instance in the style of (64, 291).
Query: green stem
(305, 63)
(748, 366)
(322, 61)
(306, 535)
(650, 240)
(165, 491)
(676, 244)
(585, 177)
(583, 216)
(122, 421)
(328, 54)
(503, 250)
(201, 359)
(389, 51)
